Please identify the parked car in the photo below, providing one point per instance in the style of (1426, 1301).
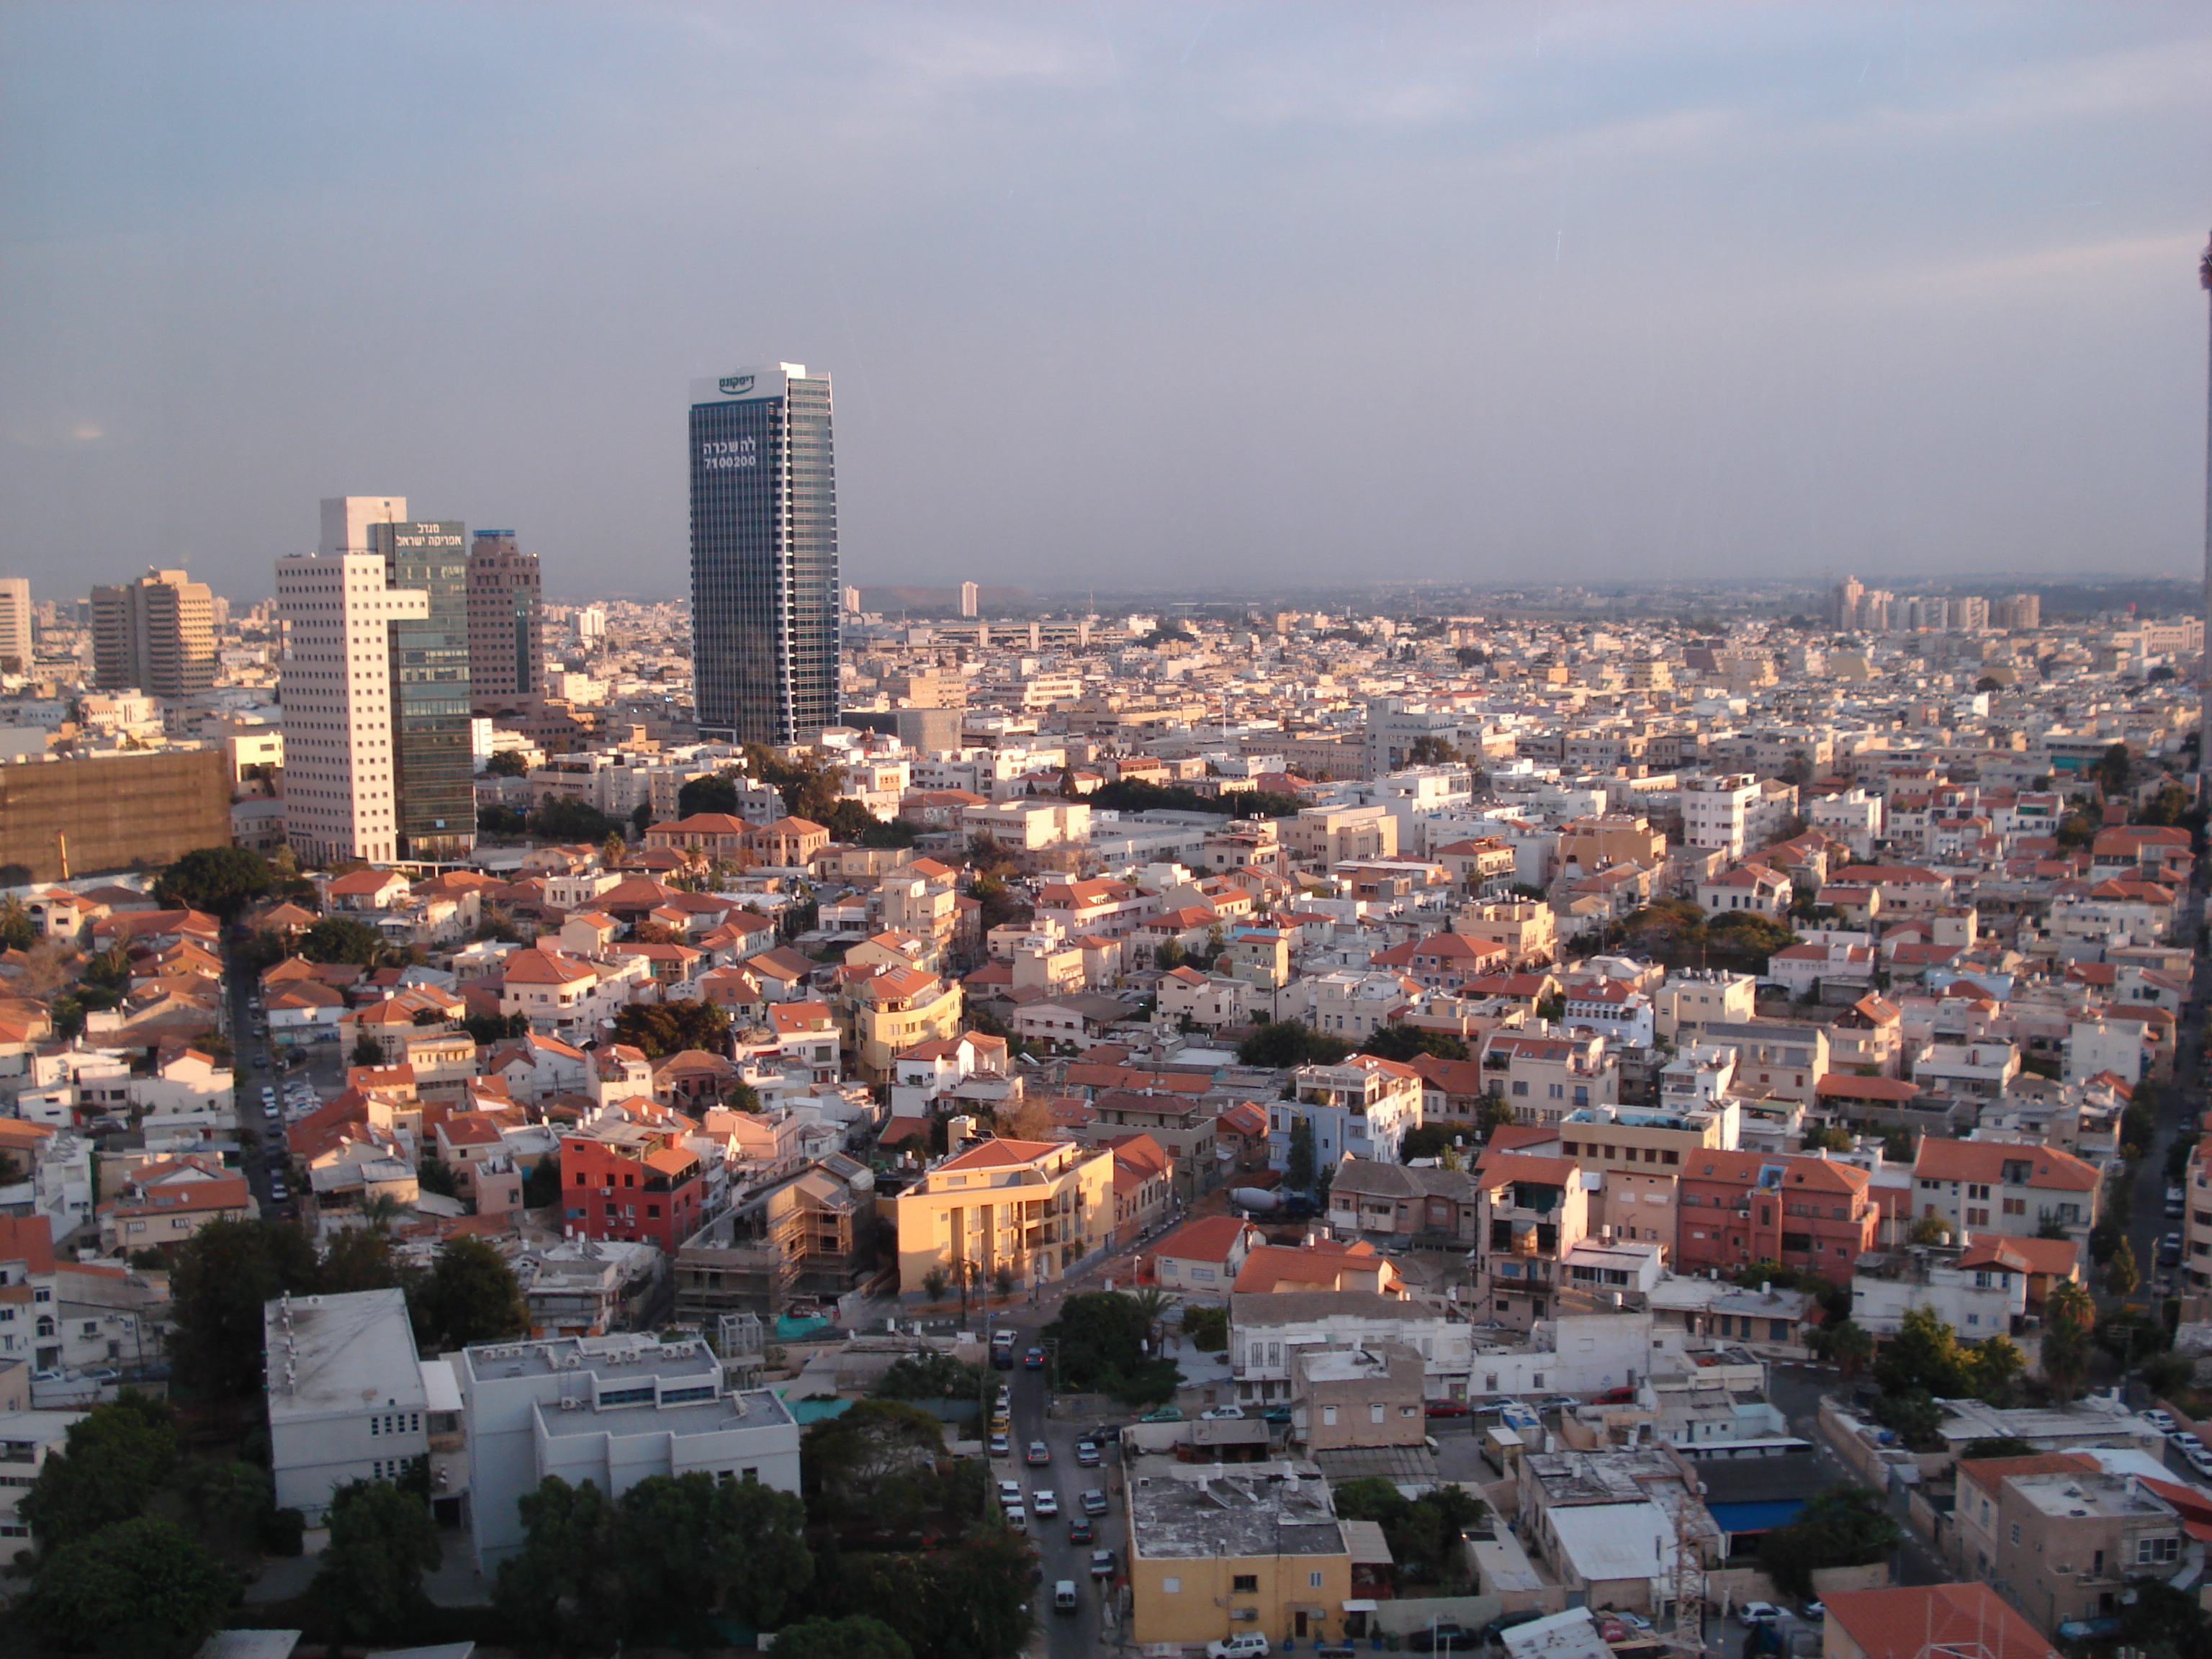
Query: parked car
(1445, 1408)
(1094, 1501)
(1001, 1447)
(1017, 1517)
(1010, 1492)
(1046, 1502)
(1222, 1414)
(1038, 1455)
(2177, 1200)
(1163, 1414)
(1441, 1638)
(1102, 1564)
(2162, 1421)
(1086, 1454)
(1814, 1612)
(1277, 1414)
(278, 1192)
(2169, 1249)
(1250, 1645)
(1758, 1613)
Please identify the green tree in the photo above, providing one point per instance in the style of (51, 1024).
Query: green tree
(112, 1461)
(367, 1051)
(934, 1375)
(542, 1185)
(469, 1295)
(2121, 1273)
(434, 1174)
(869, 1459)
(716, 792)
(564, 820)
(1299, 1167)
(1405, 1044)
(227, 1502)
(17, 931)
(1281, 1043)
(1102, 1338)
(970, 1601)
(1993, 1366)
(143, 1587)
(342, 938)
(2068, 1316)
(224, 1274)
(1999, 1445)
(661, 1029)
(382, 1541)
(1846, 1344)
(688, 1547)
(1427, 1141)
(1930, 1230)
(562, 1589)
(1207, 1328)
(1844, 1526)
(220, 880)
(1924, 1354)
(358, 1259)
(506, 763)
(854, 1637)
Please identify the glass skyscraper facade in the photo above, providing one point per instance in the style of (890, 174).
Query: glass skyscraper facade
(764, 593)
(433, 767)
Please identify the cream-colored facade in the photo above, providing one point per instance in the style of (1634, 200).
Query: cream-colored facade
(1035, 1207)
(892, 1014)
(1529, 931)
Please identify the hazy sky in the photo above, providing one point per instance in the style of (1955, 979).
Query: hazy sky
(1115, 293)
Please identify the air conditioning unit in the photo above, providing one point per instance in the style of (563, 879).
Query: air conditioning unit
(1246, 1613)
(569, 1362)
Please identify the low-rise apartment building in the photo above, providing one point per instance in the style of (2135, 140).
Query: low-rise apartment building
(1218, 1550)
(347, 1397)
(1531, 1212)
(2002, 1187)
(1267, 1330)
(2060, 1536)
(1358, 1108)
(1738, 1208)
(612, 1409)
(1035, 1208)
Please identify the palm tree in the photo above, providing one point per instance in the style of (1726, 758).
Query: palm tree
(381, 1210)
(1153, 1303)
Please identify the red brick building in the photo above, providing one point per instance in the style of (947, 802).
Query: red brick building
(632, 1181)
(1740, 1207)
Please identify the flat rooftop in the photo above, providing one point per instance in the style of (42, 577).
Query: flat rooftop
(625, 1357)
(2082, 1494)
(752, 1408)
(1202, 1511)
(334, 1355)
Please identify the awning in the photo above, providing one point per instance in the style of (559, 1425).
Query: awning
(1359, 1607)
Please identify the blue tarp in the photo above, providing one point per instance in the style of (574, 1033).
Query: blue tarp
(788, 1329)
(817, 1411)
(1755, 1517)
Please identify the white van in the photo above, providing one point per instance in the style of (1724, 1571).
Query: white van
(1063, 1596)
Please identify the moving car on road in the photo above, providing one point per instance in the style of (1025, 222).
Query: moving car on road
(1038, 1455)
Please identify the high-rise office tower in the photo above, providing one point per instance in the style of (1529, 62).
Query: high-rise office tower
(156, 634)
(1843, 606)
(971, 596)
(764, 590)
(507, 619)
(341, 799)
(435, 768)
(15, 622)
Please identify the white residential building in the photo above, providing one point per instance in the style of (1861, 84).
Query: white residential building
(347, 1399)
(1717, 811)
(341, 799)
(612, 1409)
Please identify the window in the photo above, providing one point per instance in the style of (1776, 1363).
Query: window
(1375, 1414)
(2157, 1551)
(1245, 1583)
(1313, 1581)
(1329, 1416)
(1171, 1586)
(1520, 1086)
(2015, 1531)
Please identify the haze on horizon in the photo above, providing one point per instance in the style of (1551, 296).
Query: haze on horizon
(1118, 295)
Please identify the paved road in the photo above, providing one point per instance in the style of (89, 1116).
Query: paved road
(1082, 1634)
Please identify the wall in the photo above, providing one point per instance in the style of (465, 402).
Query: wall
(119, 813)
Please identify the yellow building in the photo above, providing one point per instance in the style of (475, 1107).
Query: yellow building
(884, 1011)
(1036, 1207)
(1220, 1549)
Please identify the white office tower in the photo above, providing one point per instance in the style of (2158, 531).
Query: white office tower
(340, 800)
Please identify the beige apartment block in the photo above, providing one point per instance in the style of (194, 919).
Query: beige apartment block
(1036, 1207)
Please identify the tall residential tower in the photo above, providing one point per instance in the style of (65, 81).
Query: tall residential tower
(764, 591)
(375, 687)
(15, 623)
(507, 619)
(155, 634)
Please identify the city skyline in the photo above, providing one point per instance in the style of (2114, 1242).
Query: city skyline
(1684, 289)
